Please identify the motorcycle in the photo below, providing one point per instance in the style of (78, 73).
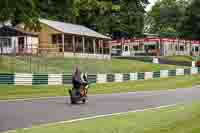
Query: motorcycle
(77, 95)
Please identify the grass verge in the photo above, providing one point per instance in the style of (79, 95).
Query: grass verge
(177, 119)
(17, 92)
(179, 58)
(60, 65)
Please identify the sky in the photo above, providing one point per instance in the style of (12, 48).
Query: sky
(152, 2)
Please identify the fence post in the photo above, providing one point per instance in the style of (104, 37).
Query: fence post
(155, 60)
(193, 64)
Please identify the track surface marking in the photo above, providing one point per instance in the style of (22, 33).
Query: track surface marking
(28, 113)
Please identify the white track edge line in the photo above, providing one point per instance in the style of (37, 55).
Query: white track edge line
(94, 117)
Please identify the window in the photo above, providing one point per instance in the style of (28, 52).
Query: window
(136, 48)
(196, 49)
(21, 40)
(56, 39)
(181, 48)
(192, 49)
(5, 42)
(126, 48)
(176, 48)
(151, 47)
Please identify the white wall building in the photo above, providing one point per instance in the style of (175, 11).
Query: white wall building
(14, 41)
(157, 47)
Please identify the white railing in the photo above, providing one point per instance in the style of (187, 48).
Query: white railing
(87, 55)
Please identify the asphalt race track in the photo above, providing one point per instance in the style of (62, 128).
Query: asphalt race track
(24, 114)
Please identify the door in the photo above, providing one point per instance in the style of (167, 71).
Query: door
(1, 46)
(21, 44)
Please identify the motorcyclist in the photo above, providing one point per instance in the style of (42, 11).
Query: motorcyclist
(76, 78)
(79, 79)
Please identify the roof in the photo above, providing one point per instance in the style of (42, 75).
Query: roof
(11, 31)
(74, 29)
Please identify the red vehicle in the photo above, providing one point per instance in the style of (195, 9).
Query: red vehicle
(198, 63)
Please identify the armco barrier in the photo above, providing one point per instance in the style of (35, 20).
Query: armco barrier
(60, 79)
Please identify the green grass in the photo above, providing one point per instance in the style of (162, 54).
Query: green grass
(177, 119)
(17, 92)
(59, 65)
(180, 58)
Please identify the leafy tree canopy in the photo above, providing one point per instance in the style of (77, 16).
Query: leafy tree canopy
(112, 17)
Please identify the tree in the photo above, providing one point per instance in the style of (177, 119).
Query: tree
(86, 11)
(6, 10)
(132, 17)
(98, 14)
(165, 16)
(190, 27)
(62, 10)
(104, 18)
(25, 11)
(94, 14)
